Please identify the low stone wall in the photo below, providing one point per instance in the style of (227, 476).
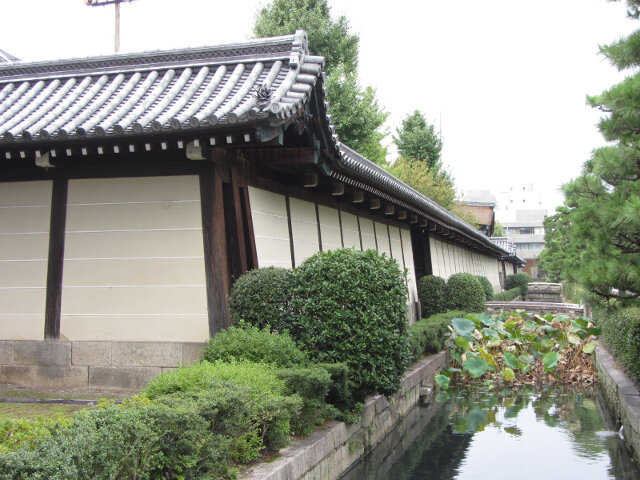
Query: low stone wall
(330, 452)
(109, 365)
(571, 309)
(623, 397)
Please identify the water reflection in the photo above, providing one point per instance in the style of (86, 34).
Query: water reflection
(525, 434)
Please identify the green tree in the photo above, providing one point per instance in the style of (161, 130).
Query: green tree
(356, 114)
(498, 230)
(604, 200)
(416, 140)
(561, 254)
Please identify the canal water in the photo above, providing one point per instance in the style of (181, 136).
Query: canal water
(522, 435)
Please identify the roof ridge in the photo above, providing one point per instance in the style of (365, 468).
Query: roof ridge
(273, 47)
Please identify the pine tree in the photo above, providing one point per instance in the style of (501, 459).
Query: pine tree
(416, 140)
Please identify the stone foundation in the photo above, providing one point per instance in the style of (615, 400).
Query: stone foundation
(105, 365)
(330, 452)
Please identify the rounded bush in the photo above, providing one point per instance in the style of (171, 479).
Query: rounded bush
(431, 294)
(255, 345)
(520, 280)
(464, 292)
(351, 306)
(261, 297)
(487, 287)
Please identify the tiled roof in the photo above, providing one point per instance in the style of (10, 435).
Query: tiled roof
(194, 91)
(125, 95)
(7, 57)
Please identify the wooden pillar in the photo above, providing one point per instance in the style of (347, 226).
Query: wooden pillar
(55, 264)
(215, 247)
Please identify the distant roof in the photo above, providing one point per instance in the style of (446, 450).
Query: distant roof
(479, 198)
(260, 84)
(7, 57)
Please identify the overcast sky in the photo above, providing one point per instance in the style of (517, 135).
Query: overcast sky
(505, 79)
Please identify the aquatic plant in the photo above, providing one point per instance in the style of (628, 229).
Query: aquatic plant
(520, 348)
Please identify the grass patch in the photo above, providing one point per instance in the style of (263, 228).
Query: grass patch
(15, 411)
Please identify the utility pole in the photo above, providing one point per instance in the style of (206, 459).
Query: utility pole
(116, 3)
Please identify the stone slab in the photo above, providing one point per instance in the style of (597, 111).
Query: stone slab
(132, 378)
(146, 354)
(91, 353)
(192, 352)
(23, 375)
(33, 352)
(64, 377)
(6, 353)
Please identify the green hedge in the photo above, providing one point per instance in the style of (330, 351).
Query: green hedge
(255, 345)
(431, 294)
(486, 287)
(520, 280)
(261, 298)
(427, 335)
(350, 306)
(621, 334)
(507, 295)
(464, 292)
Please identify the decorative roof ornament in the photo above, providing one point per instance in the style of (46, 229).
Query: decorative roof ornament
(6, 57)
(263, 95)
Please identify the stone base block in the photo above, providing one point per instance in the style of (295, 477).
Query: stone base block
(91, 353)
(132, 378)
(63, 377)
(53, 353)
(146, 354)
(23, 375)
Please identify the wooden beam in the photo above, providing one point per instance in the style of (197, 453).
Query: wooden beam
(311, 180)
(389, 210)
(358, 196)
(53, 303)
(402, 214)
(374, 204)
(423, 222)
(337, 189)
(413, 218)
(237, 210)
(289, 156)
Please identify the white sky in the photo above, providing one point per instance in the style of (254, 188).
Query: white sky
(506, 79)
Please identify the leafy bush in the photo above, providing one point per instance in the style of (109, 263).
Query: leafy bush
(464, 292)
(261, 297)
(28, 432)
(487, 287)
(621, 335)
(427, 335)
(431, 294)
(507, 295)
(351, 306)
(520, 280)
(255, 345)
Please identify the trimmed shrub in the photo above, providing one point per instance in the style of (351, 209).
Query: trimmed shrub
(431, 294)
(621, 334)
(520, 280)
(351, 306)
(487, 287)
(464, 292)
(427, 336)
(507, 295)
(261, 298)
(255, 345)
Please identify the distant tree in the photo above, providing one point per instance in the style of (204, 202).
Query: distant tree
(417, 140)
(498, 230)
(561, 255)
(356, 114)
(433, 184)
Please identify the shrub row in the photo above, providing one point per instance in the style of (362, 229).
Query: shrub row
(507, 295)
(463, 291)
(427, 335)
(520, 280)
(621, 334)
(338, 306)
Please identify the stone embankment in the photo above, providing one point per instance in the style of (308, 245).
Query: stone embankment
(571, 309)
(331, 451)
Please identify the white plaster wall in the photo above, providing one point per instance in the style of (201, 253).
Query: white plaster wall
(447, 259)
(271, 229)
(350, 231)
(330, 228)
(367, 233)
(382, 237)
(407, 251)
(134, 261)
(304, 227)
(25, 215)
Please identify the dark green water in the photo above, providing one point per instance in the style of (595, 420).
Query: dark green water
(513, 435)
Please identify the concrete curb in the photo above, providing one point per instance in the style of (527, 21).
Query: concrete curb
(333, 450)
(623, 396)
